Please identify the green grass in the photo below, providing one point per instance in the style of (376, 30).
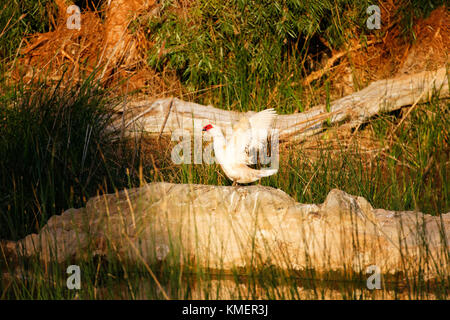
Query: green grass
(56, 152)
(118, 280)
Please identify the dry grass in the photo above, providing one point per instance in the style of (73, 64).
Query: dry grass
(108, 47)
(386, 53)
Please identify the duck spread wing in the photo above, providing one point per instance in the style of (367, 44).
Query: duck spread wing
(248, 134)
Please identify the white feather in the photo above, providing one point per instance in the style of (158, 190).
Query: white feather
(249, 136)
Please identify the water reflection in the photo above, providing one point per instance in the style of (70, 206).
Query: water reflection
(229, 289)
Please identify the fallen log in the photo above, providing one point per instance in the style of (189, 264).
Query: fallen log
(164, 116)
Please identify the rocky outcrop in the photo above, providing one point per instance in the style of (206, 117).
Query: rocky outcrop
(225, 227)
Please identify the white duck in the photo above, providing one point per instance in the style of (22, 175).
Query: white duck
(233, 153)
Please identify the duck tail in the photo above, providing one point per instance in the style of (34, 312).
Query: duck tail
(267, 172)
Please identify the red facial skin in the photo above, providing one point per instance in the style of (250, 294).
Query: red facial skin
(207, 127)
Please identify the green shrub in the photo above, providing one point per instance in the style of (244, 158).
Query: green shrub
(247, 46)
